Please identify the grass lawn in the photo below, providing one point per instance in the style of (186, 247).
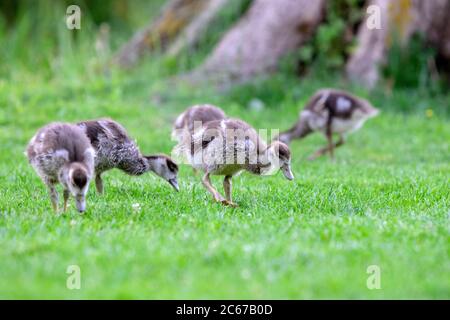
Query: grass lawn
(384, 201)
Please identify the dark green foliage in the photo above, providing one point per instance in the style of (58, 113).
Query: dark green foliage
(413, 66)
(225, 19)
(333, 41)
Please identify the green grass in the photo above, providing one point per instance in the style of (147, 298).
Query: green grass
(384, 201)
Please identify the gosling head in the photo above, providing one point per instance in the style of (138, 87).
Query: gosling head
(280, 157)
(75, 177)
(365, 111)
(166, 168)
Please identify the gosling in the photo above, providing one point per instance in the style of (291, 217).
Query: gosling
(330, 111)
(115, 149)
(229, 146)
(197, 115)
(192, 118)
(61, 152)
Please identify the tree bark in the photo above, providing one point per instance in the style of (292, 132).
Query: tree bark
(399, 20)
(433, 20)
(269, 30)
(363, 64)
(174, 17)
(193, 32)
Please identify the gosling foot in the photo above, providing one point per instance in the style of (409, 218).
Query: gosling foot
(229, 203)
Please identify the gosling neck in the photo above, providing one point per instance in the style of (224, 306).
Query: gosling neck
(299, 130)
(264, 164)
(136, 167)
(154, 164)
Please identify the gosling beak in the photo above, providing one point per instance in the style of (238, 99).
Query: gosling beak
(374, 112)
(286, 168)
(174, 184)
(81, 204)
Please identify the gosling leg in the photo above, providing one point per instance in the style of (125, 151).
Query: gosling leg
(340, 142)
(66, 198)
(99, 183)
(207, 183)
(54, 197)
(227, 186)
(326, 149)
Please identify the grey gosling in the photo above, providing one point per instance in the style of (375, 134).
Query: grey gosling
(195, 115)
(229, 146)
(330, 111)
(115, 149)
(62, 153)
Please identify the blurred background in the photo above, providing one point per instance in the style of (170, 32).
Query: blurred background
(233, 42)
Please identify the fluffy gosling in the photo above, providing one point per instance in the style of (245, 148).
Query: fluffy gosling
(61, 152)
(115, 149)
(229, 146)
(330, 111)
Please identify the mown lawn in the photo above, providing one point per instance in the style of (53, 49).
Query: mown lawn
(384, 201)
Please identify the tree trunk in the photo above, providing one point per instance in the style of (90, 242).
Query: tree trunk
(268, 31)
(401, 19)
(193, 32)
(175, 16)
(433, 20)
